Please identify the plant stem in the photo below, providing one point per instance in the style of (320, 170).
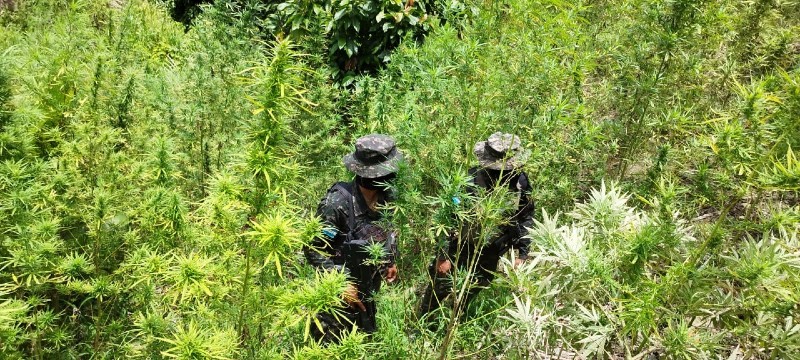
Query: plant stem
(245, 288)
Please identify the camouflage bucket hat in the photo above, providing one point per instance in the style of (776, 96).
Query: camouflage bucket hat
(376, 155)
(501, 152)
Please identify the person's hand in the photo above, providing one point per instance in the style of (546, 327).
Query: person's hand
(443, 266)
(391, 274)
(518, 262)
(350, 296)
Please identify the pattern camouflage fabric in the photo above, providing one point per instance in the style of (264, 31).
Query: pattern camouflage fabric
(501, 152)
(375, 156)
(334, 211)
(349, 221)
(463, 254)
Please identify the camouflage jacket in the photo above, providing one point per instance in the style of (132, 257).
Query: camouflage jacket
(512, 235)
(342, 200)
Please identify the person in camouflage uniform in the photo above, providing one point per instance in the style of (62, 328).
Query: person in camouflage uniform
(500, 158)
(350, 213)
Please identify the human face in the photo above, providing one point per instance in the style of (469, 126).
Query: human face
(501, 176)
(378, 184)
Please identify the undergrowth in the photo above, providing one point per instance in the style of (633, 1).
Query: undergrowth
(157, 181)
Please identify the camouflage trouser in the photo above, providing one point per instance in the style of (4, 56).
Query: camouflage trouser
(441, 285)
(334, 328)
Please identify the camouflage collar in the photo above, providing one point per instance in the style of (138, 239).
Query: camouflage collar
(360, 204)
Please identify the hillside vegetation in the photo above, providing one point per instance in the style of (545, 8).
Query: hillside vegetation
(158, 179)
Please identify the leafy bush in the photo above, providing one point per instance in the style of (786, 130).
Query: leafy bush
(157, 181)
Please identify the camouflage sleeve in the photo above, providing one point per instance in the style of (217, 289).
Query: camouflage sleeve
(447, 243)
(444, 246)
(524, 218)
(391, 244)
(334, 217)
(444, 240)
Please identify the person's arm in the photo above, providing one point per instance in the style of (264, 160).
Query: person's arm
(441, 263)
(442, 245)
(524, 218)
(447, 244)
(332, 213)
(447, 241)
(390, 268)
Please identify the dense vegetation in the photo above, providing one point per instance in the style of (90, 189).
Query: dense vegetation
(157, 181)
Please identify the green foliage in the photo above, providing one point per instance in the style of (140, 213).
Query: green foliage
(303, 302)
(157, 181)
(278, 238)
(355, 37)
(360, 35)
(195, 343)
(363, 33)
(628, 304)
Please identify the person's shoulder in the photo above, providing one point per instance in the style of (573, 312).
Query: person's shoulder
(524, 181)
(338, 193)
(477, 177)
